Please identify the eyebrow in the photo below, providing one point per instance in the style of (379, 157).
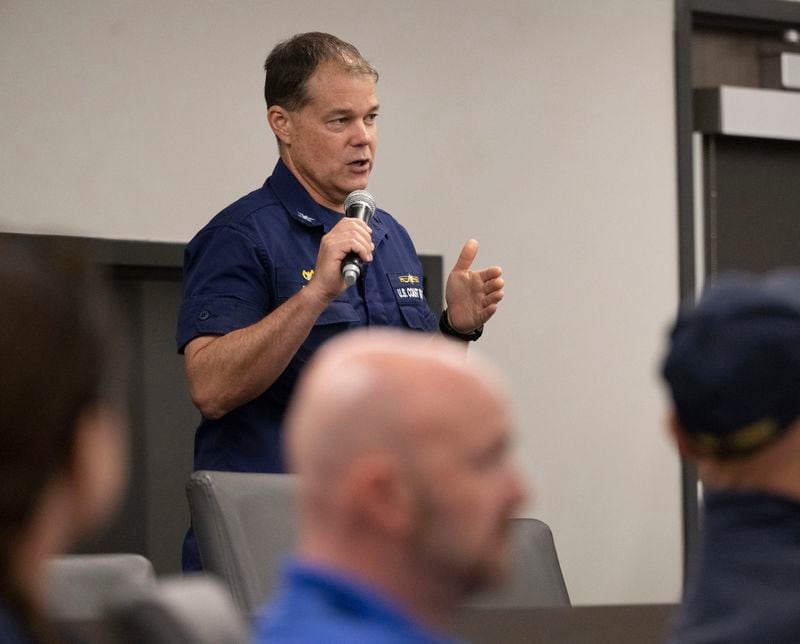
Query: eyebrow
(343, 111)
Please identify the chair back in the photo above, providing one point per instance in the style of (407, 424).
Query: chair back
(245, 527)
(80, 587)
(180, 610)
(536, 580)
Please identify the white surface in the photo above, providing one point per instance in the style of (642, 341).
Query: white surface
(544, 128)
(790, 70)
(699, 214)
(763, 113)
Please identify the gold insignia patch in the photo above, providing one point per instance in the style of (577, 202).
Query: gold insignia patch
(409, 279)
(307, 275)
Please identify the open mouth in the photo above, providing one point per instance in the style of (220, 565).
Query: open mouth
(359, 163)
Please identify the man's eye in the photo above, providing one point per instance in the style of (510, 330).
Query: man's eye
(339, 121)
(371, 118)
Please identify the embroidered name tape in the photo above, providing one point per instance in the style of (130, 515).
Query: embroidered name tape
(405, 289)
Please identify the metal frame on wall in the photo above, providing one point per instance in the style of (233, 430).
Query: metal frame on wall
(164, 260)
(752, 16)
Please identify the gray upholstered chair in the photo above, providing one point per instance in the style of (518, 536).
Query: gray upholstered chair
(536, 579)
(181, 610)
(80, 587)
(245, 527)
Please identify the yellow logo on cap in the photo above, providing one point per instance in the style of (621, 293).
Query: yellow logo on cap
(755, 434)
(743, 440)
(307, 275)
(409, 279)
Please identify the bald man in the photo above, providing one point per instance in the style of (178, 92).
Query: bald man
(401, 444)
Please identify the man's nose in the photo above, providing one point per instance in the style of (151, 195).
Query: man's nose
(362, 133)
(518, 492)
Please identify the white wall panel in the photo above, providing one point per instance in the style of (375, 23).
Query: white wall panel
(543, 128)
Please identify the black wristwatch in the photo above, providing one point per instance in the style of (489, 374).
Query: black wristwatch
(446, 329)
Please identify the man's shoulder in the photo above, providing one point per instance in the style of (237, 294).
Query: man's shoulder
(321, 605)
(249, 210)
(390, 223)
(309, 620)
(386, 218)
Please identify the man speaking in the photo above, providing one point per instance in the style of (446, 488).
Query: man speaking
(263, 284)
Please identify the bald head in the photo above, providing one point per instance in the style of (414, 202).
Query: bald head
(378, 390)
(402, 442)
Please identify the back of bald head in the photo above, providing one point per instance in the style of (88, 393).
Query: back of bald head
(376, 390)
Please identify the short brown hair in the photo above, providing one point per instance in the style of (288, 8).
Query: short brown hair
(292, 62)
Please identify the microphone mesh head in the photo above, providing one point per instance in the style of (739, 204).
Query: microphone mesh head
(360, 196)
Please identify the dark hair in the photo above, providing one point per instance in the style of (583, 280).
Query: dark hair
(292, 62)
(55, 352)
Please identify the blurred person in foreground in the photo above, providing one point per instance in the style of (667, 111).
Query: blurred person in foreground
(407, 488)
(733, 367)
(63, 443)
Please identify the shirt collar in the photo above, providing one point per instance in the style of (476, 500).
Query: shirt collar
(362, 598)
(749, 514)
(301, 207)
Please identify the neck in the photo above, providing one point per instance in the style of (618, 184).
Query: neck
(417, 594)
(322, 199)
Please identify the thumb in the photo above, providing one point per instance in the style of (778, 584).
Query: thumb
(467, 256)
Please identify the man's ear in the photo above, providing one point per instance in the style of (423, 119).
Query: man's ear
(280, 122)
(686, 448)
(381, 495)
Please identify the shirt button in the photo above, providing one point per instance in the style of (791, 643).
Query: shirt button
(204, 315)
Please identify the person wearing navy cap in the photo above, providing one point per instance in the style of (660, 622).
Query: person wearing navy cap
(733, 369)
(263, 287)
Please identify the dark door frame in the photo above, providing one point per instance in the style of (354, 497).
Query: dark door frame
(749, 15)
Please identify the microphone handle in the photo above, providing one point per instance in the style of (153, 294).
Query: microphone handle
(351, 269)
(351, 264)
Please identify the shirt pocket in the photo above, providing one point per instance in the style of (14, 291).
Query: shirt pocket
(410, 299)
(289, 281)
(337, 317)
(340, 311)
(415, 317)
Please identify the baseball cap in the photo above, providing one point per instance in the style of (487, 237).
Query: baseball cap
(733, 362)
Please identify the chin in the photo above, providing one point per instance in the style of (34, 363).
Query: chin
(483, 576)
(497, 568)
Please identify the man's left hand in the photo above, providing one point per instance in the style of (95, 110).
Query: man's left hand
(472, 296)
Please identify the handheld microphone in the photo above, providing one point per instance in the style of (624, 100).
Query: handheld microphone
(361, 205)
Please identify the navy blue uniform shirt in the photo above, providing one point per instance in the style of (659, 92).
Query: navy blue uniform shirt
(251, 258)
(746, 589)
(315, 605)
(11, 630)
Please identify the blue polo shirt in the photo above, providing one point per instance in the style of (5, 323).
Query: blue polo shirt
(315, 605)
(250, 259)
(746, 588)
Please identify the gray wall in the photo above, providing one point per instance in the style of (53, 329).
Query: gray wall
(544, 128)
